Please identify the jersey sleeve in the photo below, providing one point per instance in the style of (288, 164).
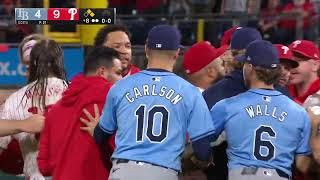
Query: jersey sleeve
(304, 146)
(200, 124)
(219, 116)
(108, 120)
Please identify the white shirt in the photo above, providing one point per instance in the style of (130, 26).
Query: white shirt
(16, 108)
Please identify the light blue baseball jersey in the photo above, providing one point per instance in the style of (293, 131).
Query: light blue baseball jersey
(151, 112)
(264, 128)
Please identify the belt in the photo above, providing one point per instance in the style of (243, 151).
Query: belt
(253, 170)
(120, 161)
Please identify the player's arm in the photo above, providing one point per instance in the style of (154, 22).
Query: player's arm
(201, 130)
(303, 151)
(315, 136)
(33, 124)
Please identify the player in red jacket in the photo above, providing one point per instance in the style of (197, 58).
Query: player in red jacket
(66, 152)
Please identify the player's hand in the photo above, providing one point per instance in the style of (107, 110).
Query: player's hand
(33, 124)
(92, 122)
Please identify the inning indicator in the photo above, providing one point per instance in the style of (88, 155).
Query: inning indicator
(64, 16)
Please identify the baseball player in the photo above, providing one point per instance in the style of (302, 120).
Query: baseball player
(151, 112)
(265, 130)
(47, 81)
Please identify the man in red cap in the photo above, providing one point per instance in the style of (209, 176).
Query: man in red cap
(203, 64)
(304, 79)
(286, 63)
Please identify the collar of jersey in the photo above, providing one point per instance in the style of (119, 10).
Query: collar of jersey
(268, 92)
(155, 71)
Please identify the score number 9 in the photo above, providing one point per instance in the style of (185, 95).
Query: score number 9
(56, 14)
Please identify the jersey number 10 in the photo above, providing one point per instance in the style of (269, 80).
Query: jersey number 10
(149, 117)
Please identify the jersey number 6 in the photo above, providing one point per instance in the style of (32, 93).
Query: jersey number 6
(150, 118)
(260, 143)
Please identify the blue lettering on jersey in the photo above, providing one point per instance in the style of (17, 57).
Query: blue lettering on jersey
(265, 110)
(153, 90)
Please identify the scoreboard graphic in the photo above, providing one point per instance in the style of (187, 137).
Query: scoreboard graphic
(42, 16)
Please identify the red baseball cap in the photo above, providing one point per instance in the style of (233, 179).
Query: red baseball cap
(285, 54)
(200, 55)
(227, 35)
(305, 48)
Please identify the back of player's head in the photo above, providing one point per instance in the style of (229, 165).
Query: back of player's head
(26, 45)
(263, 56)
(103, 33)
(163, 40)
(99, 56)
(46, 59)
(242, 37)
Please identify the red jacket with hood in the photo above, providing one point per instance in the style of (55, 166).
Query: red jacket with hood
(66, 152)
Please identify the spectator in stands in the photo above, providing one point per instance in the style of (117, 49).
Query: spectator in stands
(151, 6)
(303, 9)
(286, 63)
(122, 6)
(203, 64)
(13, 33)
(268, 20)
(304, 79)
(118, 38)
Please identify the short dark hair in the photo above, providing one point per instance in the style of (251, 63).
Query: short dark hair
(103, 33)
(99, 56)
(268, 76)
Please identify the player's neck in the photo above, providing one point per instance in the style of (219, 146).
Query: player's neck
(160, 64)
(260, 85)
(302, 88)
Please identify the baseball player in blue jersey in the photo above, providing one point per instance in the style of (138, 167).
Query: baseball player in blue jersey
(151, 112)
(265, 130)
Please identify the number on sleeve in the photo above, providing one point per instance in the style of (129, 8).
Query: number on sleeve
(260, 142)
(140, 114)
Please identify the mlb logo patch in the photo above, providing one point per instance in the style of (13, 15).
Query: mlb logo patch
(157, 79)
(266, 98)
(158, 45)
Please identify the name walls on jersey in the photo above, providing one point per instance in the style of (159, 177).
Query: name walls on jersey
(264, 110)
(153, 90)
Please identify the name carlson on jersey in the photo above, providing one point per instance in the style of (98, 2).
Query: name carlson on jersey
(265, 110)
(153, 90)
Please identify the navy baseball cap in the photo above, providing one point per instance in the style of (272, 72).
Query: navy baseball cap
(261, 53)
(164, 37)
(242, 37)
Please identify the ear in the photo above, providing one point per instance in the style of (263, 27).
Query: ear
(101, 71)
(211, 71)
(146, 51)
(315, 65)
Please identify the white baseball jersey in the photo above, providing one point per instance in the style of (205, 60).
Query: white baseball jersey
(19, 106)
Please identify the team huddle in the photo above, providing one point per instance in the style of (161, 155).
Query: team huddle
(240, 94)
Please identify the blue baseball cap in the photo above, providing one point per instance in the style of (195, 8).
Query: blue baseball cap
(261, 53)
(242, 37)
(164, 37)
